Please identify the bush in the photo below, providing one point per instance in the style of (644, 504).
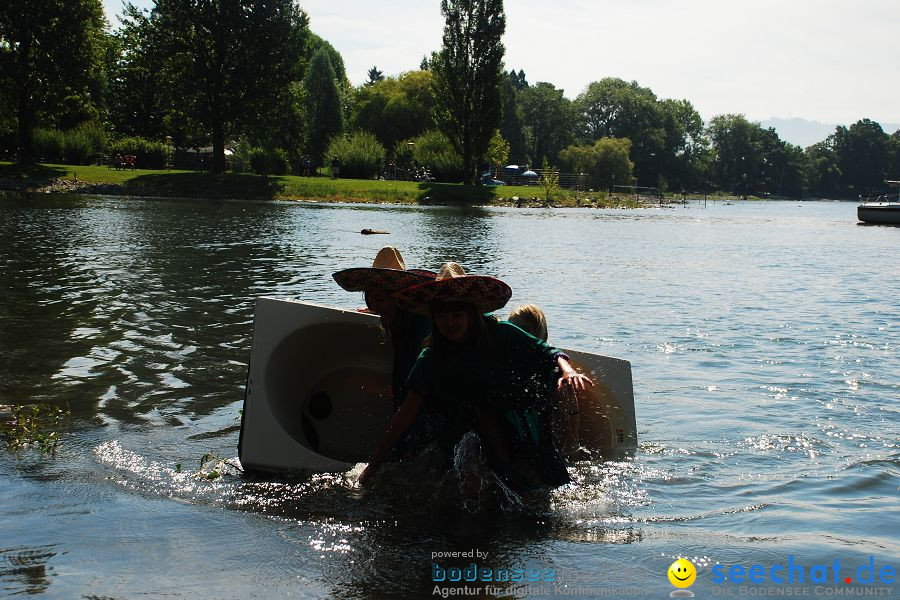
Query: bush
(84, 143)
(48, 145)
(240, 161)
(360, 153)
(76, 146)
(148, 155)
(434, 151)
(607, 161)
(268, 162)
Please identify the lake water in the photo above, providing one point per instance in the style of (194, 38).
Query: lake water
(764, 340)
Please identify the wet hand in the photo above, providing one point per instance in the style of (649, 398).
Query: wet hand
(574, 380)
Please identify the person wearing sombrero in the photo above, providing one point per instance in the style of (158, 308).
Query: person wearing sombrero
(485, 376)
(388, 275)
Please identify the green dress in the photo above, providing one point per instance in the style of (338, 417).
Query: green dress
(512, 377)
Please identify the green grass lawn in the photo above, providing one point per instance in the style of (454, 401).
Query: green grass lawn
(289, 187)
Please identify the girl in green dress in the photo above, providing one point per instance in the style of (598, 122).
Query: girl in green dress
(486, 376)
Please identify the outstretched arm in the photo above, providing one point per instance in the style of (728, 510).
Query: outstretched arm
(570, 376)
(400, 423)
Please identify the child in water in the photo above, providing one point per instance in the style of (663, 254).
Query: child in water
(530, 319)
(387, 275)
(486, 376)
(566, 420)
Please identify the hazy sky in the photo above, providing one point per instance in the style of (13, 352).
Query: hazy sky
(833, 61)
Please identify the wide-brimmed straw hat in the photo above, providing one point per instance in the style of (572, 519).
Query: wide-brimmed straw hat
(388, 272)
(452, 284)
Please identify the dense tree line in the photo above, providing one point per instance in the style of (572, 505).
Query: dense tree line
(207, 72)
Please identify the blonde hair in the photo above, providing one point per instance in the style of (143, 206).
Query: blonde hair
(530, 318)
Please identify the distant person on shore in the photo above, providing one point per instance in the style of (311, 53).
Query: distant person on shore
(305, 165)
(335, 167)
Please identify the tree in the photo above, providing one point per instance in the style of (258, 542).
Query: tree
(518, 79)
(467, 76)
(748, 159)
(50, 58)
(239, 55)
(345, 88)
(549, 180)
(613, 107)
(323, 105)
(548, 119)
(824, 172)
(607, 162)
(893, 147)
(141, 81)
(685, 149)
(396, 108)
(511, 126)
(862, 154)
(433, 151)
(374, 76)
(498, 150)
(737, 157)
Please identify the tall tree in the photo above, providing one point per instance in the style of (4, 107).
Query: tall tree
(141, 82)
(49, 52)
(613, 107)
(518, 79)
(683, 159)
(236, 54)
(738, 159)
(893, 147)
(748, 159)
(323, 105)
(824, 171)
(862, 153)
(512, 127)
(374, 76)
(548, 119)
(345, 88)
(468, 72)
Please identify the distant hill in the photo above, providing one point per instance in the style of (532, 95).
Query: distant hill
(805, 133)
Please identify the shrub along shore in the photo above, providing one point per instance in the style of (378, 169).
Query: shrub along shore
(191, 184)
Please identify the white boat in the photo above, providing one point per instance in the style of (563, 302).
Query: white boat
(883, 210)
(879, 212)
(317, 395)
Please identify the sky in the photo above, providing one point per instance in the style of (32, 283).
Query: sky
(832, 61)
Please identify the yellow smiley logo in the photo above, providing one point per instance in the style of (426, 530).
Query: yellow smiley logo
(682, 573)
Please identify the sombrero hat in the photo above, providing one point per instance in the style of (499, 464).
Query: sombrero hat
(453, 285)
(388, 272)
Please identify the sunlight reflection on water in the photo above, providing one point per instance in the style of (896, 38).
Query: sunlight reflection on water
(764, 359)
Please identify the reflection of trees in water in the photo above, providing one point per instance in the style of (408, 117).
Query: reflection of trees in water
(24, 570)
(44, 296)
(465, 235)
(125, 306)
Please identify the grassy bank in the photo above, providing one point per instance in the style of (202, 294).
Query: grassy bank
(192, 184)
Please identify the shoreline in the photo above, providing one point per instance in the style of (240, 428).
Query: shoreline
(99, 180)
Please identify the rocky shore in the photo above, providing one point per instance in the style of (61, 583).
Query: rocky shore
(64, 186)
